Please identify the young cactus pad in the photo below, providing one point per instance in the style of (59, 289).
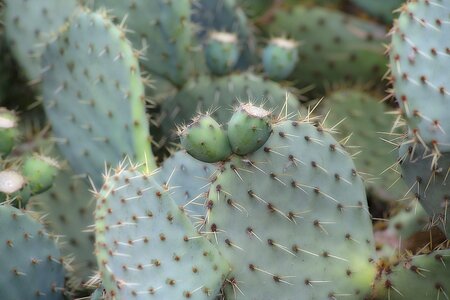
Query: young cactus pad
(205, 140)
(32, 267)
(94, 96)
(420, 57)
(292, 219)
(249, 128)
(146, 246)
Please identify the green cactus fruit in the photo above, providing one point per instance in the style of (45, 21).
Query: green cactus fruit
(189, 178)
(68, 208)
(366, 120)
(380, 9)
(221, 52)
(292, 219)
(29, 24)
(206, 93)
(32, 267)
(8, 131)
(419, 55)
(429, 184)
(162, 29)
(280, 57)
(205, 140)
(40, 172)
(417, 278)
(94, 96)
(146, 246)
(335, 46)
(249, 128)
(226, 15)
(11, 182)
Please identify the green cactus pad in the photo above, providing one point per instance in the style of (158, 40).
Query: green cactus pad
(8, 131)
(419, 55)
(428, 181)
(146, 246)
(32, 267)
(221, 52)
(30, 24)
(380, 9)
(249, 128)
(292, 219)
(219, 95)
(408, 221)
(162, 29)
(418, 278)
(366, 120)
(94, 96)
(68, 207)
(189, 178)
(334, 46)
(280, 57)
(40, 172)
(205, 140)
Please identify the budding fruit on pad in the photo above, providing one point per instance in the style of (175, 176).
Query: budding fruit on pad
(10, 182)
(40, 171)
(249, 128)
(221, 52)
(205, 140)
(279, 58)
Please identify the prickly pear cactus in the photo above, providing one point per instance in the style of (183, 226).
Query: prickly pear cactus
(380, 9)
(146, 246)
(429, 181)
(219, 95)
(30, 24)
(334, 46)
(364, 119)
(32, 267)
(9, 132)
(68, 207)
(419, 277)
(280, 57)
(221, 52)
(292, 219)
(419, 56)
(94, 96)
(190, 179)
(164, 32)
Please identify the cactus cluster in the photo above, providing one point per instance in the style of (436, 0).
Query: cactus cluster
(224, 149)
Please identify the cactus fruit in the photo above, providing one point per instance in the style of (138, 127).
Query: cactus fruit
(249, 128)
(280, 57)
(146, 246)
(40, 172)
(11, 182)
(32, 267)
(419, 277)
(8, 131)
(205, 140)
(291, 219)
(204, 93)
(430, 185)
(366, 121)
(189, 179)
(68, 208)
(164, 32)
(221, 52)
(29, 24)
(350, 49)
(94, 96)
(419, 55)
(226, 15)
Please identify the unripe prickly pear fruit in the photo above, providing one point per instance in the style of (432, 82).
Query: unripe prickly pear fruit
(8, 131)
(205, 140)
(221, 52)
(279, 58)
(40, 172)
(11, 182)
(248, 129)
